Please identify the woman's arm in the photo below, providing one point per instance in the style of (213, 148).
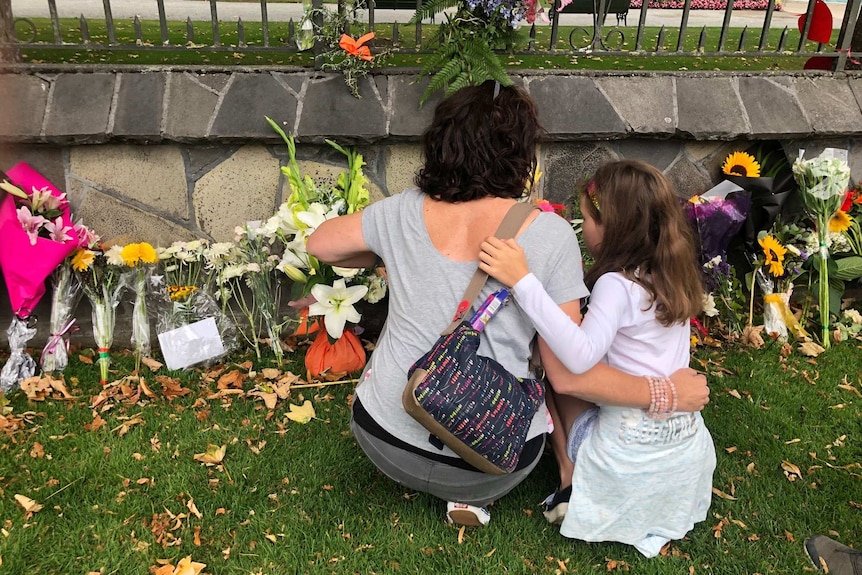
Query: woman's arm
(607, 385)
(339, 242)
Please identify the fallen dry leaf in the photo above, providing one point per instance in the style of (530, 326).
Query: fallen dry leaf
(212, 456)
(751, 336)
(722, 494)
(30, 506)
(791, 471)
(151, 363)
(127, 425)
(193, 509)
(810, 349)
(302, 414)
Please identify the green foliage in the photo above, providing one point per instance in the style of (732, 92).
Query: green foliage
(465, 52)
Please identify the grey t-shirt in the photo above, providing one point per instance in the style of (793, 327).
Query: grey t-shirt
(424, 290)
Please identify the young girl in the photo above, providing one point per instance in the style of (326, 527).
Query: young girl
(641, 477)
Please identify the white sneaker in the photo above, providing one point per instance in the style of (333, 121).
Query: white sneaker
(470, 515)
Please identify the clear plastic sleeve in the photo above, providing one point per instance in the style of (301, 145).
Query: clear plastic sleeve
(65, 296)
(20, 365)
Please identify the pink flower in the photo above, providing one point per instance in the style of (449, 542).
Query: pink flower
(43, 200)
(30, 223)
(57, 231)
(87, 238)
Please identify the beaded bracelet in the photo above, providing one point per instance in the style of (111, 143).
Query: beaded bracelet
(663, 397)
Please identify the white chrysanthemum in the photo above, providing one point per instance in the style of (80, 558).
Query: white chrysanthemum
(114, 255)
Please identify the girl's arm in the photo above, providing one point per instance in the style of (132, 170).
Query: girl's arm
(339, 242)
(606, 385)
(578, 347)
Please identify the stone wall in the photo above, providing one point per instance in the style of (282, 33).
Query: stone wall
(152, 154)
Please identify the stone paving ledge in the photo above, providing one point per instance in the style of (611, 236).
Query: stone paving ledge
(148, 104)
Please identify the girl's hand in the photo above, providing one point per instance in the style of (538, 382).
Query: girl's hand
(503, 260)
(692, 391)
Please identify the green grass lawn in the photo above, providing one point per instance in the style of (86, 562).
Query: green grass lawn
(302, 498)
(622, 56)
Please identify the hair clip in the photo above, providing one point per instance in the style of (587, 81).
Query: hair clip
(496, 89)
(591, 192)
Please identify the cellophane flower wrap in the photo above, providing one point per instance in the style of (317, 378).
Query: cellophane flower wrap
(716, 219)
(65, 295)
(332, 292)
(258, 300)
(183, 287)
(822, 185)
(37, 235)
(102, 277)
(778, 265)
(140, 259)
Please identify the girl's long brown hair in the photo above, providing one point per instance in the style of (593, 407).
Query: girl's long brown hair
(646, 237)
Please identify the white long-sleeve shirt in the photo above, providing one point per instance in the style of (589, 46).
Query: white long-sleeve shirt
(620, 325)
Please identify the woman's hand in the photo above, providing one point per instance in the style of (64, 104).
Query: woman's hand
(692, 391)
(503, 260)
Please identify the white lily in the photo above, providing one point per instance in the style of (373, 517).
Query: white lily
(335, 304)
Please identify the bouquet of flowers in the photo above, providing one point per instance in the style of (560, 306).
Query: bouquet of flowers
(101, 275)
(65, 296)
(140, 258)
(184, 304)
(330, 291)
(766, 175)
(822, 185)
(779, 264)
(255, 266)
(717, 216)
(38, 235)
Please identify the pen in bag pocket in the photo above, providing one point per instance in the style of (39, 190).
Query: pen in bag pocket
(486, 311)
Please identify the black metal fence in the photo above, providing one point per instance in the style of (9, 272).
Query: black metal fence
(672, 34)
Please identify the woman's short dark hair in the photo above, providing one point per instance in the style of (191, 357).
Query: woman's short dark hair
(479, 145)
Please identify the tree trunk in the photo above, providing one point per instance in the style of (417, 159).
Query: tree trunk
(9, 50)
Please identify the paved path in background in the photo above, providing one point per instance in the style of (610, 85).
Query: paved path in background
(250, 12)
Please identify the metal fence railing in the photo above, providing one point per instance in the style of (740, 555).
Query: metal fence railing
(675, 33)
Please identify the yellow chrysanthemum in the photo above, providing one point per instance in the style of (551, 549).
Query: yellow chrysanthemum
(148, 253)
(180, 293)
(131, 254)
(774, 254)
(741, 164)
(840, 221)
(82, 260)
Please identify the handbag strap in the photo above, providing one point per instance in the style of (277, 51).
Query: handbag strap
(512, 222)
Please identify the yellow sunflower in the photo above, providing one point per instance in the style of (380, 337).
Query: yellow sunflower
(840, 221)
(774, 254)
(82, 260)
(741, 164)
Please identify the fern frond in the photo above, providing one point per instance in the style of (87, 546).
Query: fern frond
(431, 8)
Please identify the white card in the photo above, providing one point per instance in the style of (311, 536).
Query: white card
(191, 344)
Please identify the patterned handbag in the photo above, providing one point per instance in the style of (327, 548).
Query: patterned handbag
(471, 402)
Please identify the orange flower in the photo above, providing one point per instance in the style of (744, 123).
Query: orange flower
(357, 47)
